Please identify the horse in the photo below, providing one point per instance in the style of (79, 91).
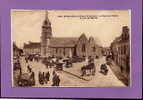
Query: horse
(90, 67)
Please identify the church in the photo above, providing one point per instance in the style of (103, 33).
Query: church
(62, 46)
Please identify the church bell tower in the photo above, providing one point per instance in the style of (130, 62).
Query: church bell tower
(46, 35)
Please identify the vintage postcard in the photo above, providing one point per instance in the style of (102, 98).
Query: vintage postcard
(71, 48)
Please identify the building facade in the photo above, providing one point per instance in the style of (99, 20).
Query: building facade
(32, 48)
(64, 46)
(120, 48)
(106, 51)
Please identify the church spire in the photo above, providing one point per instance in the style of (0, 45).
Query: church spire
(46, 21)
(46, 27)
(46, 15)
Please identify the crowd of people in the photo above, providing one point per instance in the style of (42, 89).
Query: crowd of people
(31, 58)
(44, 77)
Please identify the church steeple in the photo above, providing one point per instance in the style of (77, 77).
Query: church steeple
(46, 35)
(46, 21)
(46, 15)
(46, 27)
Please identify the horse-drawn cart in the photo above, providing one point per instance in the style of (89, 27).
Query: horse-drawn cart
(109, 60)
(104, 69)
(67, 63)
(59, 66)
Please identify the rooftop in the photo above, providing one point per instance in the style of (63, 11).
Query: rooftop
(32, 45)
(63, 42)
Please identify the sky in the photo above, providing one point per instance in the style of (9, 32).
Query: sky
(105, 26)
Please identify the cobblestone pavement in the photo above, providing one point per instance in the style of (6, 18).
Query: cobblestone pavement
(99, 80)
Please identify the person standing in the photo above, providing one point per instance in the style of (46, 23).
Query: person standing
(93, 66)
(47, 75)
(53, 78)
(26, 59)
(43, 77)
(29, 68)
(39, 77)
(56, 79)
(32, 78)
(53, 73)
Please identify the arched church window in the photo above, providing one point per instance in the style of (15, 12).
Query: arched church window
(56, 50)
(83, 48)
(94, 49)
(64, 51)
(46, 22)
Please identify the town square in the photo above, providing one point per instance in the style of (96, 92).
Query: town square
(70, 61)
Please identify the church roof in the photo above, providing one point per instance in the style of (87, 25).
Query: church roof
(32, 45)
(83, 36)
(55, 42)
(63, 41)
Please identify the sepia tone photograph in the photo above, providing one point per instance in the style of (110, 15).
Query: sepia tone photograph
(70, 48)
